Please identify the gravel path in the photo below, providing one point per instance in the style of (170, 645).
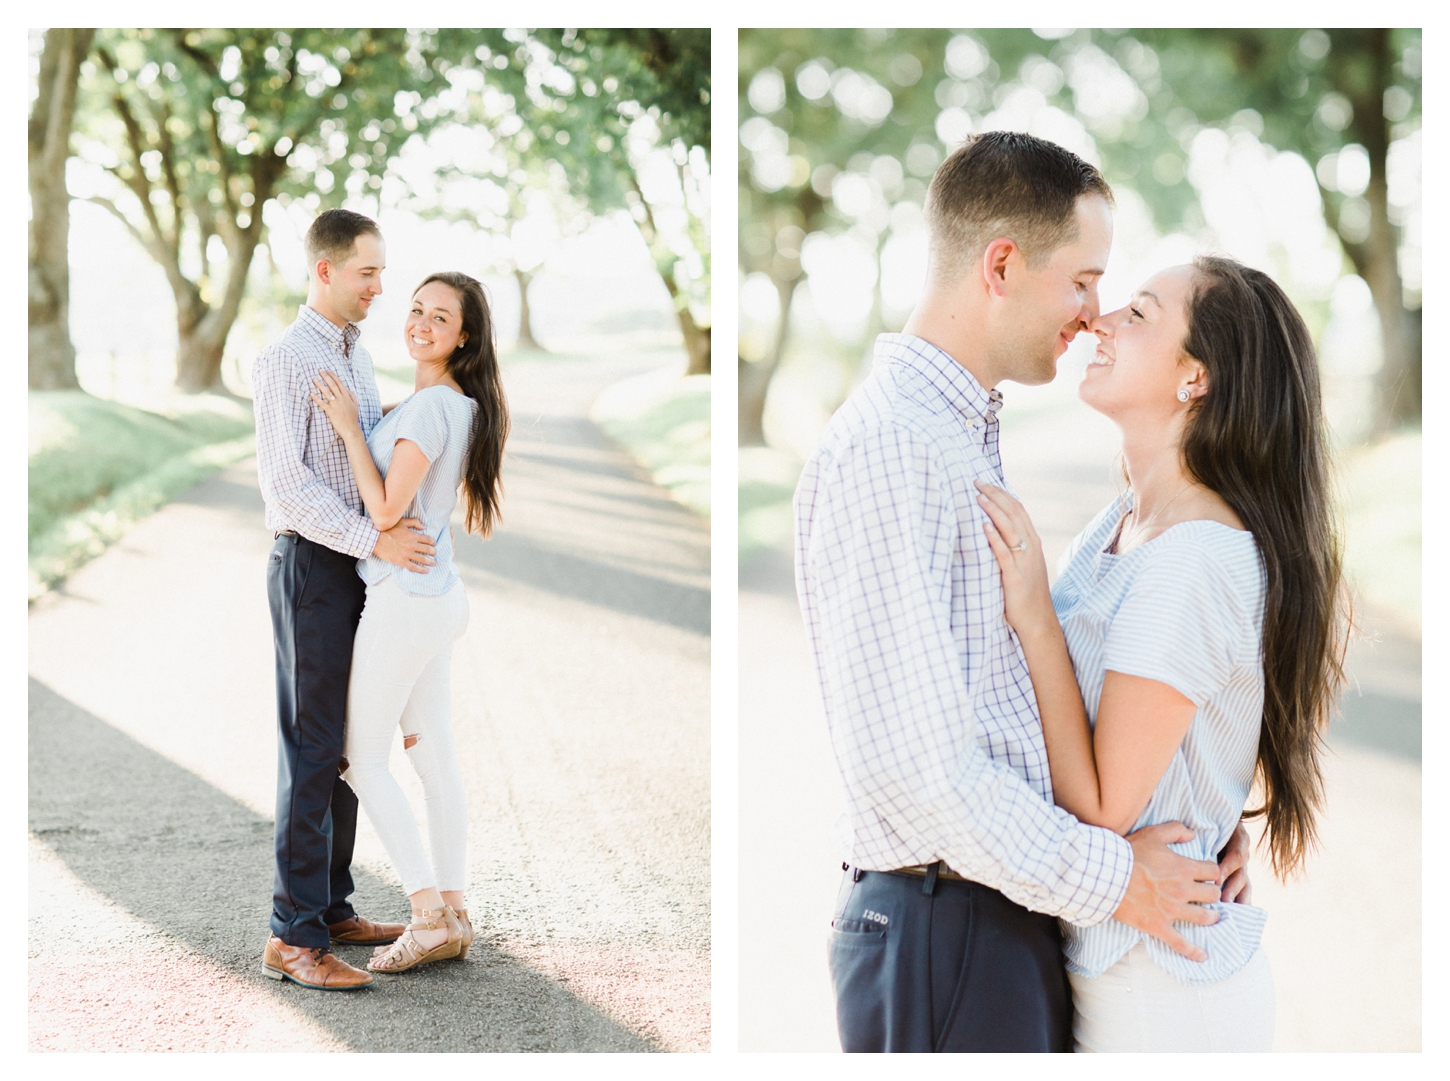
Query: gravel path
(581, 708)
(1343, 940)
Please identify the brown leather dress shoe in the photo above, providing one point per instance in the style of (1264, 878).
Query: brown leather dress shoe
(360, 932)
(316, 967)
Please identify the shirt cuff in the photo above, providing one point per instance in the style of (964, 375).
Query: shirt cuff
(1108, 862)
(360, 538)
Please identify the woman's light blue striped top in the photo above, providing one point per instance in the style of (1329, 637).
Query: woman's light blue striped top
(1186, 609)
(439, 420)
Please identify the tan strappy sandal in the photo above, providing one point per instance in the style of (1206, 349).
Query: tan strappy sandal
(406, 952)
(462, 914)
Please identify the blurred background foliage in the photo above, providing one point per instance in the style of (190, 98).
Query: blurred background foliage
(189, 137)
(1297, 151)
(841, 130)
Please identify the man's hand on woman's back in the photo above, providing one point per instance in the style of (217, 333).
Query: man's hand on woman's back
(404, 546)
(1167, 887)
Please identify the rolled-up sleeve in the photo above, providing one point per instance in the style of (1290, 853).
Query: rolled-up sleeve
(877, 532)
(283, 414)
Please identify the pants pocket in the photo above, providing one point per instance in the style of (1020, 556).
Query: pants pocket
(857, 953)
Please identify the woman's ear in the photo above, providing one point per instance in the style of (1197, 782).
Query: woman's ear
(1197, 382)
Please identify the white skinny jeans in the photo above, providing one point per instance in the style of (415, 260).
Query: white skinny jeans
(400, 661)
(1136, 1006)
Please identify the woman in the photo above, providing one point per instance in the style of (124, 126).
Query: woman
(451, 430)
(1194, 637)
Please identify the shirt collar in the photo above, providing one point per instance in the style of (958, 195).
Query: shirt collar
(341, 338)
(952, 381)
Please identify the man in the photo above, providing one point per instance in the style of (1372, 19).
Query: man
(957, 862)
(316, 596)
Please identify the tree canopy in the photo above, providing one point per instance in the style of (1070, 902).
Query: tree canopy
(603, 98)
(197, 129)
(587, 113)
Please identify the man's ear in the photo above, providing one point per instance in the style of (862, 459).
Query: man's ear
(323, 270)
(995, 258)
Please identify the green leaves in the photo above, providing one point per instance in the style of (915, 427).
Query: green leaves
(207, 124)
(812, 102)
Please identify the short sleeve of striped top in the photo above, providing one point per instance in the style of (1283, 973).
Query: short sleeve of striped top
(425, 422)
(1183, 620)
(438, 421)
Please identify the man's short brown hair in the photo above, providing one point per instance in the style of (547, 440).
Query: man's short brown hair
(1006, 184)
(333, 236)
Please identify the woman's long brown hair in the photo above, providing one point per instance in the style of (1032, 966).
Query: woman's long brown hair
(1258, 439)
(475, 367)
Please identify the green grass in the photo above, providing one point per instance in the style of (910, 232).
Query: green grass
(663, 420)
(96, 468)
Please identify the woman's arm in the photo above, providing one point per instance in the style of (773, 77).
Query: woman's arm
(386, 498)
(1103, 776)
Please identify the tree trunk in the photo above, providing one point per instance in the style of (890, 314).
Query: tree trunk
(697, 343)
(199, 362)
(52, 356)
(696, 337)
(755, 378)
(201, 331)
(525, 339)
(1397, 385)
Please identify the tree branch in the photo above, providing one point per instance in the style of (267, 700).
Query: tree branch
(200, 58)
(653, 240)
(167, 146)
(149, 243)
(224, 166)
(138, 182)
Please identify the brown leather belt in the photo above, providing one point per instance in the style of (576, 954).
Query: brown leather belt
(284, 533)
(943, 871)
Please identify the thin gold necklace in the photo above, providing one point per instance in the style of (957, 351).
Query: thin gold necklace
(1140, 529)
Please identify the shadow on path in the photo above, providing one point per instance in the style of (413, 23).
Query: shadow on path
(1380, 722)
(530, 563)
(543, 563)
(189, 859)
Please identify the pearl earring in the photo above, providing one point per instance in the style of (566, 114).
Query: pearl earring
(1183, 395)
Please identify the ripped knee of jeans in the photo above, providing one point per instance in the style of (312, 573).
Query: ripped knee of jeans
(409, 742)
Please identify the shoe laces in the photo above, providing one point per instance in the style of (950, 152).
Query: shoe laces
(318, 951)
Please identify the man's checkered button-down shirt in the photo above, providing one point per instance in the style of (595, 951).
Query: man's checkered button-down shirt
(301, 462)
(931, 711)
